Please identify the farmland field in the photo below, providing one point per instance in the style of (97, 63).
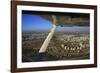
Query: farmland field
(63, 46)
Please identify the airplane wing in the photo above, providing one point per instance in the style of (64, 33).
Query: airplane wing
(68, 20)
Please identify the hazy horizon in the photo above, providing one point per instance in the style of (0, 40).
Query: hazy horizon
(35, 23)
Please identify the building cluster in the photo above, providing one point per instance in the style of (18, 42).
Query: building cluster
(70, 47)
(62, 46)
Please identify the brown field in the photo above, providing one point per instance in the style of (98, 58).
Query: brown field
(63, 46)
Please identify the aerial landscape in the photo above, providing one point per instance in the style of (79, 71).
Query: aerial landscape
(70, 40)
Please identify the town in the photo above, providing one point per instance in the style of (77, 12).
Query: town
(63, 46)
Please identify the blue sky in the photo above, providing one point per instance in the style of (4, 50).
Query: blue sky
(37, 23)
